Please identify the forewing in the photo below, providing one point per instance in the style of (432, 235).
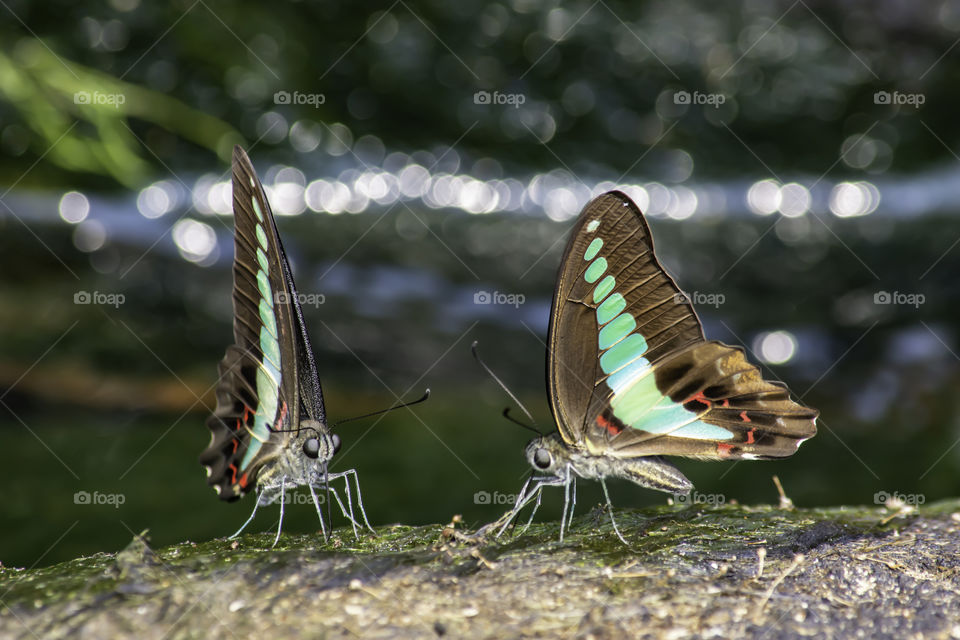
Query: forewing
(611, 292)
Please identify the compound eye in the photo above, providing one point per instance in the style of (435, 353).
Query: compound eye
(335, 439)
(542, 459)
(311, 448)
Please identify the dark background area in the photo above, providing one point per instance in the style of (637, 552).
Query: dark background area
(797, 163)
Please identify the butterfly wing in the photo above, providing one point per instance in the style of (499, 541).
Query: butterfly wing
(268, 378)
(630, 373)
(609, 281)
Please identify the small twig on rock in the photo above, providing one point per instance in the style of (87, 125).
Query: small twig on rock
(785, 502)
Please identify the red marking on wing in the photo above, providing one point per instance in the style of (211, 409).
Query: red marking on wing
(233, 473)
(750, 439)
(236, 445)
(243, 481)
(745, 417)
(611, 428)
(699, 397)
(726, 402)
(723, 449)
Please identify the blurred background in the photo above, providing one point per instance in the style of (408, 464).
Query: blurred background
(797, 162)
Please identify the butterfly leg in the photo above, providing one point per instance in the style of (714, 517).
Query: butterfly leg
(523, 498)
(256, 505)
(603, 483)
(573, 504)
(526, 498)
(346, 490)
(363, 512)
(566, 502)
(316, 503)
(346, 510)
(283, 481)
(533, 512)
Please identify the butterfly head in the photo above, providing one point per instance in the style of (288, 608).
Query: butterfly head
(317, 443)
(546, 454)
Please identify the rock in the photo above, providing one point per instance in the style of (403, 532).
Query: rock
(689, 571)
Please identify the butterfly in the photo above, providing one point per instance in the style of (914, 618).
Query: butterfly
(269, 429)
(631, 377)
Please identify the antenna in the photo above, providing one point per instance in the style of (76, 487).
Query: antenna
(506, 414)
(483, 364)
(423, 398)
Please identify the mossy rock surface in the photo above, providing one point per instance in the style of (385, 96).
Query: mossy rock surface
(688, 572)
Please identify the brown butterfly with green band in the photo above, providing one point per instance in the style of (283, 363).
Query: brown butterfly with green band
(269, 430)
(632, 378)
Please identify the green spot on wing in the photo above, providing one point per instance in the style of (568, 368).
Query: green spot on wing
(604, 288)
(595, 270)
(616, 330)
(261, 236)
(263, 284)
(262, 259)
(610, 308)
(702, 431)
(593, 249)
(267, 319)
(630, 406)
(623, 353)
(270, 349)
(256, 208)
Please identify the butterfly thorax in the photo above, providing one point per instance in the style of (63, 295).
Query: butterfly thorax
(551, 456)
